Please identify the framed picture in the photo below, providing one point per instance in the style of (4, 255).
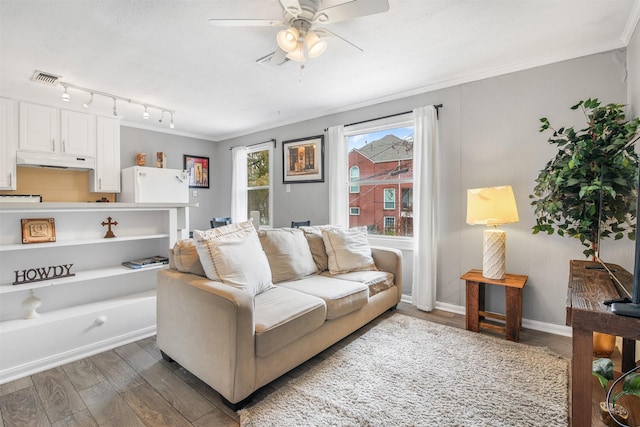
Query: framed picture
(198, 168)
(38, 230)
(303, 160)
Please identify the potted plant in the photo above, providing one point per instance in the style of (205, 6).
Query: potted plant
(602, 369)
(587, 191)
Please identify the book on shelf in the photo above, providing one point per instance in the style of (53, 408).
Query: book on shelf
(146, 262)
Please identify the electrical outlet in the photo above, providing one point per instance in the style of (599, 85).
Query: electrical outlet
(194, 193)
(288, 188)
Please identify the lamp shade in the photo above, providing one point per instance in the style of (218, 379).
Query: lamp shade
(491, 206)
(298, 53)
(315, 45)
(288, 39)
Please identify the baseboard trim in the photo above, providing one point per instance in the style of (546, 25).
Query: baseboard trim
(59, 359)
(536, 325)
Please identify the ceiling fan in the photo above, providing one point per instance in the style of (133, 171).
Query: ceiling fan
(302, 18)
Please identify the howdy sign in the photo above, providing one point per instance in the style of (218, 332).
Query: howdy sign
(43, 273)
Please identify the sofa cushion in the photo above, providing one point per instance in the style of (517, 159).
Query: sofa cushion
(185, 257)
(377, 281)
(348, 250)
(288, 253)
(282, 316)
(341, 296)
(233, 255)
(316, 244)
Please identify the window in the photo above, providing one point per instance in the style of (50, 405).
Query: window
(389, 198)
(354, 176)
(354, 211)
(390, 225)
(380, 159)
(259, 182)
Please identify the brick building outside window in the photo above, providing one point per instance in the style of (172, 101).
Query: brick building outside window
(381, 186)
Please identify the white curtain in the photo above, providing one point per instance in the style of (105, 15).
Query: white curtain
(425, 206)
(338, 179)
(239, 184)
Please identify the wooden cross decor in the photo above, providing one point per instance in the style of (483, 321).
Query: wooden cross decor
(109, 223)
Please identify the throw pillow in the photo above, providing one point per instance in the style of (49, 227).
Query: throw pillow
(348, 250)
(288, 253)
(232, 254)
(316, 244)
(186, 259)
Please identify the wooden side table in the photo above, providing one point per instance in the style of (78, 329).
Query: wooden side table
(513, 284)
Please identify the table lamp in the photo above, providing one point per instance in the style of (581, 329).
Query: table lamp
(492, 206)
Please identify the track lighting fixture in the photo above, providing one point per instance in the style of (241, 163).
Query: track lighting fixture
(88, 103)
(65, 95)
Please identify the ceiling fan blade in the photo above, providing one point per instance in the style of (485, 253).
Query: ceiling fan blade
(325, 32)
(246, 23)
(351, 9)
(292, 7)
(277, 57)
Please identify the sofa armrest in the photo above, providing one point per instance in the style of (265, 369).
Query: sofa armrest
(208, 327)
(389, 260)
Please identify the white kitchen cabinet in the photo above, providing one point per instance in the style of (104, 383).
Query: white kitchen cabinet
(50, 130)
(104, 304)
(8, 144)
(106, 177)
(39, 128)
(77, 133)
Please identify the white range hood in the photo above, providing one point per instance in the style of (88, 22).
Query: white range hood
(50, 160)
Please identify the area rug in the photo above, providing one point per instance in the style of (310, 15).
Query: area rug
(411, 372)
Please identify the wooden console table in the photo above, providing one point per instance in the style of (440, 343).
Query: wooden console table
(475, 312)
(587, 314)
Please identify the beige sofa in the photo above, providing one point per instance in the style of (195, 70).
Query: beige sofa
(237, 342)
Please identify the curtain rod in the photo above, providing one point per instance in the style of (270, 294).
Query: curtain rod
(437, 107)
(257, 143)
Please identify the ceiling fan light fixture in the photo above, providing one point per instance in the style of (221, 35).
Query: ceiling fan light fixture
(298, 53)
(315, 45)
(288, 39)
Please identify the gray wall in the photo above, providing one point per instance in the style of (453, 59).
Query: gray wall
(134, 140)
(488, 136)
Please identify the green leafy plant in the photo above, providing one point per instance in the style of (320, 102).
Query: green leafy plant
(594, 162)
(603, 370)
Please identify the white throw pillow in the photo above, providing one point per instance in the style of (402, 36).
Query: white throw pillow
(288, 253)
(348, 250)
(232, 254)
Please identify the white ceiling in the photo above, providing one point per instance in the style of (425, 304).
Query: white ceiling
(165, 53)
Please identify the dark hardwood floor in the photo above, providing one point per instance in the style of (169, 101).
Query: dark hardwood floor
(133, 386)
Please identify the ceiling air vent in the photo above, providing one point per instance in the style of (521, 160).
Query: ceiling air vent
(45, 78)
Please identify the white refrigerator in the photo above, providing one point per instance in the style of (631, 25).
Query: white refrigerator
(154, 185)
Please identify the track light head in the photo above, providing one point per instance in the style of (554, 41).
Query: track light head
(115, 110)
(88, 103)
(65, 95)
(145, 115)
(171, 125)
(161, 117)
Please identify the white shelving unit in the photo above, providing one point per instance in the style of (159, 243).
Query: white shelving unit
(104, 304)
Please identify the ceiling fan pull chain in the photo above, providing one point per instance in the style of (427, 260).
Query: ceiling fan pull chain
(300, 76)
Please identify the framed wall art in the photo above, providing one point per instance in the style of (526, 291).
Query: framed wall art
(303, 160)
(38, 230)
(198, 169)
